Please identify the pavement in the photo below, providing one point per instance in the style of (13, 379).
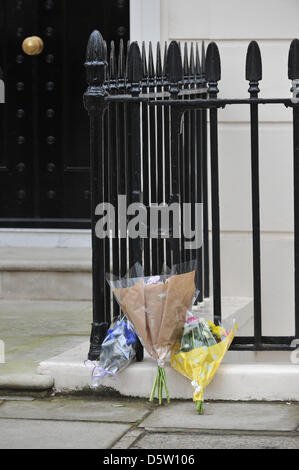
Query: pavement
(33, 331)
(102, 423)
(30, 417)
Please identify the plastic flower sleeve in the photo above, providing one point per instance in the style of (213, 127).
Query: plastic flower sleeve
(199, 351)
(157, 307)
(118, 350)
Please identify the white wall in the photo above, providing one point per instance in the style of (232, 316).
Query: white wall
(232, 24)
(145, 20)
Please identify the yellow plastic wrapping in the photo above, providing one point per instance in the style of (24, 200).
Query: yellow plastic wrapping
(200, 365)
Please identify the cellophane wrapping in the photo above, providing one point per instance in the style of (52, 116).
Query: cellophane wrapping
(118, 350)
(157, 307)
(199, 351)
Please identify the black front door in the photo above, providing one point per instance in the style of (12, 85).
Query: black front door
(44, 129)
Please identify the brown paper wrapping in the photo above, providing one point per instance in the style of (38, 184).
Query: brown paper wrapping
(180, 293)
(158, 311)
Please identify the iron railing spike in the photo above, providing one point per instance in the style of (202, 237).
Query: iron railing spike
(197, 61)
(165, 58)
(293, 62)
(174, 67)
(192, 61)
(186, 60)
(151, 66)
(106, 51)
(96, 64)
(95, 48)
(127, 55)
(158, 61)
(213, 65)
(134, 68)
(112, 61)
(121, 60)
(253, 62)
(203, 58)
(144, 60)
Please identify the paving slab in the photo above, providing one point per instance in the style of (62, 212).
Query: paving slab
(128, 439)
(207, 441)
(225, 416)
(73, 409)
(35, 434)
(34, 331)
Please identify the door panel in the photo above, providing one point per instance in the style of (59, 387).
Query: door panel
(44, 129)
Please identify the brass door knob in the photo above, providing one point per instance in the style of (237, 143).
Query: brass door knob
(33, 45)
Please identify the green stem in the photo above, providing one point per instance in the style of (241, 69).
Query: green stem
(199, 407)
(160, 387)
(154, 387)
(165, 385)
(159, 384)
(162, 383)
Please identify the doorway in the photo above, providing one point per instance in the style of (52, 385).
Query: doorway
(44, 128)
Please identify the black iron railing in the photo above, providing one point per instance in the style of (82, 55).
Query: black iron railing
(149, 142)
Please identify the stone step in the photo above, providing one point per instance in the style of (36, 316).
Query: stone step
(45, 273)
(30, 382)
(243, 375)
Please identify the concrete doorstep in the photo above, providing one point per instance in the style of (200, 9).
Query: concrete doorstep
(241, 376)
(46, 344)
(236, 381)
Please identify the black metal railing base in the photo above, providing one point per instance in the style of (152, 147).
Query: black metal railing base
(98, 333)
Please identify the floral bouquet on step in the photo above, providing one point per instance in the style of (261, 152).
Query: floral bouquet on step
(199, 351)
(118, 350)
(157, 308)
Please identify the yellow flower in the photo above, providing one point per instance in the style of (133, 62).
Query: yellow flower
(217, 331)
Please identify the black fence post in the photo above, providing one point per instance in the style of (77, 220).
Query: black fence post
(94, 100)
(213, 75)
(293, 74)
(204, 158)
(121, 147)
(135, 75)
(160, 156)
(202, 254)
(174, 75)
(167, 147)
(145, 161)
(113, 117)
(254, 75)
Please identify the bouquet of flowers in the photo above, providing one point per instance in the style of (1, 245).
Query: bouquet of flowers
(117, 351)
(157, 307)
(199, 352)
